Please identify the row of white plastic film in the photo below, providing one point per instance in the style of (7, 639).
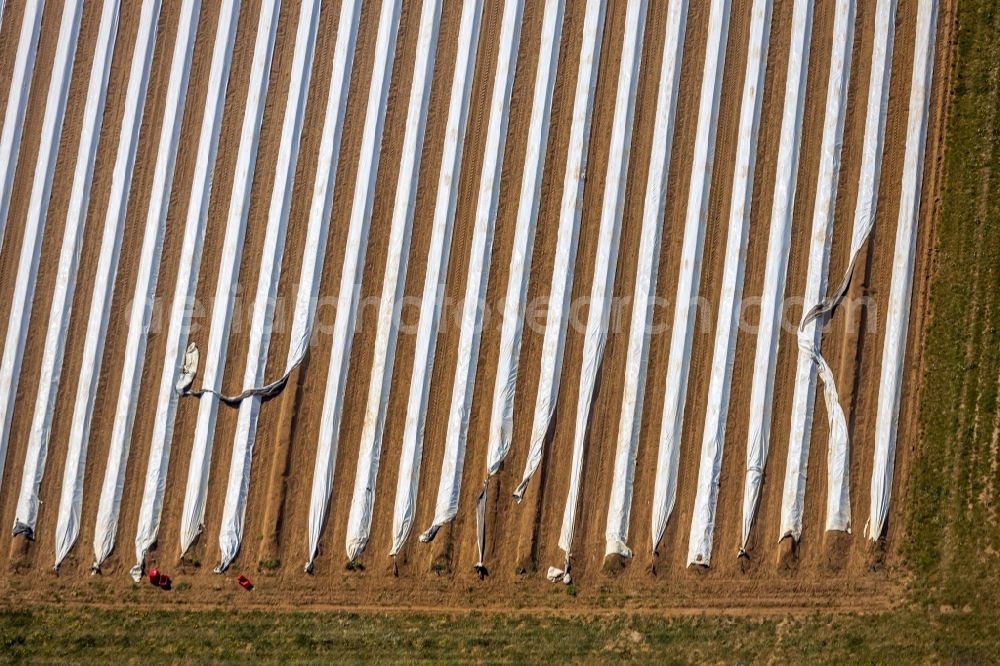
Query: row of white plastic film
(567, 237)
(188, 269)
(401, 232)
(350, 285)
(71, 498)
(810, 358)
(689, 278)
(73, 231)
(605, 265)
(838, 516)
(436, 272)
(109, 505)
(317, 232)
(262, 321)
(901, 286)
(13, 125)
(227, 274)
(27, 270)
(692, 252)
(456, 438)
(502, 412)
(776, 263)
(637, 359)
(741, 203)
(871, 150)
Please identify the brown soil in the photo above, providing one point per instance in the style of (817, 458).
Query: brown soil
(821, 571)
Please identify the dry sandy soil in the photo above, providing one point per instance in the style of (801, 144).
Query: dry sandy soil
(824, 570)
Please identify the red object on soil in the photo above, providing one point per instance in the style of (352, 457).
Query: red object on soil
(154, 577)
(164, 582)
(245, 583)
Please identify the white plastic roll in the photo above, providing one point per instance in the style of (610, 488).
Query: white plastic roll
(871, 150)
(437, 261)
(109, 505)
(901, 286)
(184, 289)
(809, 355)
(27, 269)
(228, 274)
(637, 358)
(567, 238)
(478, 271)
(262, 321)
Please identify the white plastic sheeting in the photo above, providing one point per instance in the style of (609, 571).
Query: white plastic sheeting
(187, 281)
(694, 243)
(27, 270)
(810, 358)
(478, 272)
(741, 202)
(228, 273)
(354, 261)
(317, 231)
(437, 264)
(262, 321)
(106, 526)
(871, 150)
(567, 239)
(689, 279)
(68, 521)
(502, 412)
(838, 510)
(901, 286)
(13, 121)
(606, 262)
(637, 358)
(776, 263)
(401, 231)
(394, 281)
